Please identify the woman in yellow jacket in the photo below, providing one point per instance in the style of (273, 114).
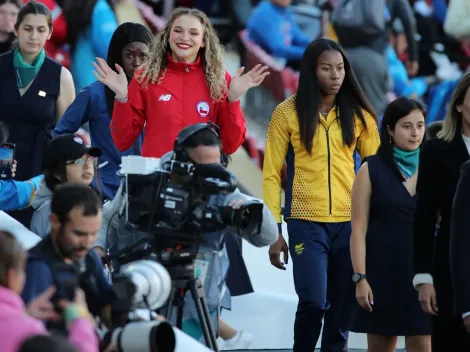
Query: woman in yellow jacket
(317, 132)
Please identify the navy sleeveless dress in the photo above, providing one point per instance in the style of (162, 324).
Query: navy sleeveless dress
(389, 260)
(30, 118)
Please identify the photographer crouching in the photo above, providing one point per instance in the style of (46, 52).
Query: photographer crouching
(63, 258)
(199, 195)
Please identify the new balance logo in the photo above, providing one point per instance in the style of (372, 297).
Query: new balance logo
(164, 97)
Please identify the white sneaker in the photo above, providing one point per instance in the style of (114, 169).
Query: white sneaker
(243, 342)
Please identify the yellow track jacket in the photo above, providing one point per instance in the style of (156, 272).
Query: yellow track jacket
(318, 186)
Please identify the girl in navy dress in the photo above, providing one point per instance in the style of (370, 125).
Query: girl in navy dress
(35, 92)
(383, 206)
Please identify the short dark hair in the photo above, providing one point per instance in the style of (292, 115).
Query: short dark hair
(206, 137)
(50, 343)
(33, 8)
(4, 133)
(55, 176)
(72, 195)
(12, 255)
(396, 110)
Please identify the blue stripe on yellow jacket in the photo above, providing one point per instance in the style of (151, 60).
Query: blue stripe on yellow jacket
(319, 185)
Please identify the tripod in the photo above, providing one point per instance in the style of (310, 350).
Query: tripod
(183, 280)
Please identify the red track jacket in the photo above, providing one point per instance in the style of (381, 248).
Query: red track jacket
(181, 99)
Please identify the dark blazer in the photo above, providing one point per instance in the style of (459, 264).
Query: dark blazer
(439, 171)
(460, 242)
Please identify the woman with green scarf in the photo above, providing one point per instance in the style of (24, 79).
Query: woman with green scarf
(383, 206)
(35, 92)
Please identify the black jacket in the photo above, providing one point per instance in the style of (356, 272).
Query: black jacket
(460, 243)
(439, 171)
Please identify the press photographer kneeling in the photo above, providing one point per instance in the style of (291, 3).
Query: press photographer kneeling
(63, 258)
(180, 215)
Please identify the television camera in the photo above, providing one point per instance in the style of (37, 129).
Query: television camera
(172, 206)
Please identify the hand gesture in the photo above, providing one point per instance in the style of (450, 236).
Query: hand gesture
(364, 295)
(117, 82)
(242, 82)
(13, 169)
(427, 299)
(41, 308)
(275, 253)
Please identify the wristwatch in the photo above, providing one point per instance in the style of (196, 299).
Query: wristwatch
(358, 277)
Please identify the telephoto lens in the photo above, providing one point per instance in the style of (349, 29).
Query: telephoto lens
(143, 336)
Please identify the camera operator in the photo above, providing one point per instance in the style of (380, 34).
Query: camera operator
(15, 195)
(63, 258)
(201, 145)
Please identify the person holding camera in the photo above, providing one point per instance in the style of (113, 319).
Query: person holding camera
(16, 195)
(66, 159)
(63, 258)
(197, 144)
(183, 83)
(17, 322)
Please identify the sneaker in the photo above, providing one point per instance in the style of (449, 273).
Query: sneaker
(243, 342)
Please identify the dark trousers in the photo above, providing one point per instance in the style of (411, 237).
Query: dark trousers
(322, 270)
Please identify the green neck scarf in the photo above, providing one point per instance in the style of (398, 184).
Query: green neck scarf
(407, 161)
(25, 72)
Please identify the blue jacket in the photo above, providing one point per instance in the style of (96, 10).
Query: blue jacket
(16, 195)
(39, 276)
(90, 106)
(273, 28)
(94, 42)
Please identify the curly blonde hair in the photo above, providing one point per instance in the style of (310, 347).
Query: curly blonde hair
(212, 55)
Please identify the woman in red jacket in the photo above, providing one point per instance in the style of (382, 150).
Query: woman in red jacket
(184, 82)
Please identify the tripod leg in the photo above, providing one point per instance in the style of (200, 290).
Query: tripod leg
(170, 303)
(197, 292)
(179, 315)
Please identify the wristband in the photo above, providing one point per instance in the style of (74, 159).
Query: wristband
(121, 100)
(74, 312)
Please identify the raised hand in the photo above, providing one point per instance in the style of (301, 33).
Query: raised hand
(117, 82)
(242, 82)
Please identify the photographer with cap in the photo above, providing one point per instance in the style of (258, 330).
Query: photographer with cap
(63, 258)
(201, 145)
(66, 159)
